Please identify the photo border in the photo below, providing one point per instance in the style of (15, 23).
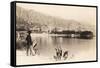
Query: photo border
(13, 32)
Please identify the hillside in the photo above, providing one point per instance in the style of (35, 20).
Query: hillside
(32, 18)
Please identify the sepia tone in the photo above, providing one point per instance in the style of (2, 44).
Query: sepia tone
(56, 34)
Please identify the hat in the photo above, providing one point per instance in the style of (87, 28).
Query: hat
(29, 31)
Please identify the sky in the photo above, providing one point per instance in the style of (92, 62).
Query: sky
(86, 15)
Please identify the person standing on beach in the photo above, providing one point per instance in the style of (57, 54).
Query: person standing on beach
(29, 44)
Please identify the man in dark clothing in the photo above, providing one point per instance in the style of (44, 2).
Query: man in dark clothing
(29, 43)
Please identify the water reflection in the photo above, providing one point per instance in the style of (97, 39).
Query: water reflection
(47, 44)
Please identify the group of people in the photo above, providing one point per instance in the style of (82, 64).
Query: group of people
(30, 48)
(60, 54)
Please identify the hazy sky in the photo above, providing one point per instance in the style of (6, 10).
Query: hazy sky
(86, 15)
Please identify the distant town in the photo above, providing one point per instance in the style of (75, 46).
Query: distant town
(41, 23)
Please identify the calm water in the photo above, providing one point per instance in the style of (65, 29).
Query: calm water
(79, 48)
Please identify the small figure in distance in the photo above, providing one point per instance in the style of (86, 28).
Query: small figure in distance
(65, 55)
(58, 54)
